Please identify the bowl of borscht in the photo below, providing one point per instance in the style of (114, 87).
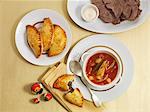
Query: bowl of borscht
(102, 68)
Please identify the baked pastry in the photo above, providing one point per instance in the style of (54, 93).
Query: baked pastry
(58, 42)
(63, 82)
(46, 33)
(75, 97)
(34, 40)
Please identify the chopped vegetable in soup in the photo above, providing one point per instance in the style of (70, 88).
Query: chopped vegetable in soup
(101, 68)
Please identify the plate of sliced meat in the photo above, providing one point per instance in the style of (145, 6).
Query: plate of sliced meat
(113, 15)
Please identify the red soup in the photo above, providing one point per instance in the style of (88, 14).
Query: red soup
(101, 68)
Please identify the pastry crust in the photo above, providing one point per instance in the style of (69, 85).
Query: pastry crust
(46, 33)
(75, 97)
(34, 40)
(58, 43)
(62, 82)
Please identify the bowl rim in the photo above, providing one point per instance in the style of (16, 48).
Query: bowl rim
(115, 55)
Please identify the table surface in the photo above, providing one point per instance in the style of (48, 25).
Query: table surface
(16, 74)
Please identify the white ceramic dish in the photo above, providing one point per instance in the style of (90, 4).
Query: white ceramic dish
(89, 12)
(98, 41)
(84, 59)
(31, 18)
(74, 8)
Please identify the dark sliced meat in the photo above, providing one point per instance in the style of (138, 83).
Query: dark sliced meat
(115, 5)
(100, 2)
(133, 2)
(135, 13)
(122, 17)
(131, 9)
(104, 13)
(115, 11)
(116, 21)
(126, 12)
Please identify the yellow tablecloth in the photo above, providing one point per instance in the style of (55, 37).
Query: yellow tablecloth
(16, 74)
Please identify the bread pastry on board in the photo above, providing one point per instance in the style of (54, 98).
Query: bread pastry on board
(62, 82)
(75, 97)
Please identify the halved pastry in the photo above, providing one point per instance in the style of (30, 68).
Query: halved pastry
(75, 97)
(34, 40)
(63, 82)
(46, 33)
(58, 42)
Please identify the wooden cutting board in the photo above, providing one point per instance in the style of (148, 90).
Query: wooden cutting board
(49, 78)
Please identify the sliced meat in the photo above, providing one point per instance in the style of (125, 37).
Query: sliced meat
(133, 2)
(100, 2)
(134, 7)
(131, 10)
(135, 13)
(115, 5)
(116, 21)
(104, 13)
(126, 12)
(115, 11)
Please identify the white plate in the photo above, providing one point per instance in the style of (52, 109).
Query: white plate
(74, 10)
(31, 18)
(109, 41)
